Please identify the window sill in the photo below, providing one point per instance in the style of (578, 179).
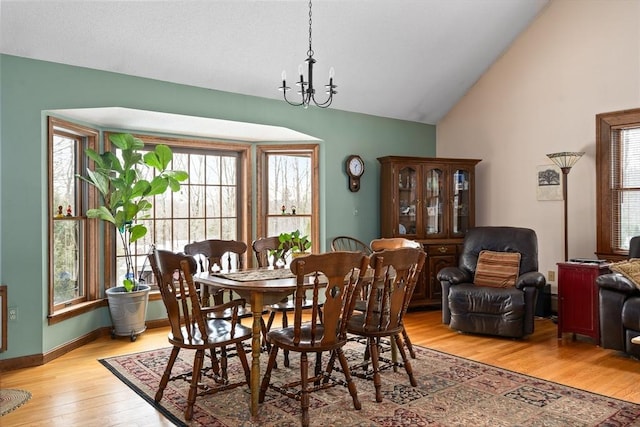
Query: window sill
(75, 310)
(85, 307)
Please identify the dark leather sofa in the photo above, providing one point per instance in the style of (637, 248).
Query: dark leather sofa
(507, 312)
(620, 308)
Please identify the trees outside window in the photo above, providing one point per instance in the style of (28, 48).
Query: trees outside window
(288, 190)
(211, 204)
(71, 280)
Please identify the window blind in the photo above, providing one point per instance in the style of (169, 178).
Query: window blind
(625, 185)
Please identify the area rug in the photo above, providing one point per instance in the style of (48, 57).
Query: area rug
(11, 399)
(451, 391)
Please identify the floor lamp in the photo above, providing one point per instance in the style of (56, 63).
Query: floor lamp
(565, 160)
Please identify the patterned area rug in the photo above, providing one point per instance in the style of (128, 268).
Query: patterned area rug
(451, 391)
(11, 399)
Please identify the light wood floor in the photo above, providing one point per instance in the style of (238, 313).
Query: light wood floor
(75, 390)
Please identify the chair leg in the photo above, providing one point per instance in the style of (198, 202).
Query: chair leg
(347, 376)
(272, 316)
(408, 343)
(214, 361)
(223, 365)
(263, 331)
(193, 389)
(405, 359)
(285, 323)
(167, 373)
(266, 379)
(375, 362)
(242, 355)
(304, 388)
(318, 368)
(330, 365)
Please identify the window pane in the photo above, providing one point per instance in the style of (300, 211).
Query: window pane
(629, 225)
(228, 171)
(213, 229)
(229, 199)
(214, 207)
(66, 262)
(289, 183)
(229, 227)
(180, 235)
(64, 180)
(213, 170)
(287, 224)
(180, 203)
(630, 161)
(625, 182)
(197, 230)
(206, 207)
(196, 201)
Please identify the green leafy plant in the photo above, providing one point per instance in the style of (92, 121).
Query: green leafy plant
(125, 192)
(292, 242)
(298, 242)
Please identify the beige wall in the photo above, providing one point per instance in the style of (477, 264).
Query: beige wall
(577, 59)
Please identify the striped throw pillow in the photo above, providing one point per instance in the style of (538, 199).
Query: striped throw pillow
(497, 269)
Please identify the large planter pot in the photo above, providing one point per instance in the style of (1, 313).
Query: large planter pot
(128, 310)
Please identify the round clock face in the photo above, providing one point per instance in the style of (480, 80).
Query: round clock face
(356, 166)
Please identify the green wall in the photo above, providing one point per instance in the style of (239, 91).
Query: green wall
(29, 87)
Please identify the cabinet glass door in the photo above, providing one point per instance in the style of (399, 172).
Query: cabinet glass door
(407, 198)
(461, 201)
(433, 202)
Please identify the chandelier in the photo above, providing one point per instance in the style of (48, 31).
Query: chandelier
(307, 92)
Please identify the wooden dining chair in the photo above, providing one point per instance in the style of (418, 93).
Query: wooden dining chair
(394, 243)
(192, 328)
(216, 254)
(334, 277)
(395, 275)
(263, 249)
(348, 243)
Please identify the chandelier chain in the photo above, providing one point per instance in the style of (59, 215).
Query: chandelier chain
(310, 52)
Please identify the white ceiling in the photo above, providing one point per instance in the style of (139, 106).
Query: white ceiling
(404, 59)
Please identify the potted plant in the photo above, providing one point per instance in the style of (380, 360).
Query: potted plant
(292, 242)
(120, 181)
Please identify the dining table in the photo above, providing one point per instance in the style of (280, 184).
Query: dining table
(259, 286)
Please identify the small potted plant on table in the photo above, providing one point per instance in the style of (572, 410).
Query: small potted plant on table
(293, 242)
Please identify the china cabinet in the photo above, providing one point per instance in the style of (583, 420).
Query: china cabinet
(430, 200)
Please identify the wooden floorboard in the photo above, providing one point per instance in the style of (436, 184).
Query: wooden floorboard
(76, 390)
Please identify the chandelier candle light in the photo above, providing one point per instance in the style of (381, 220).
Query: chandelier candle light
(307, 91)
(565, 160)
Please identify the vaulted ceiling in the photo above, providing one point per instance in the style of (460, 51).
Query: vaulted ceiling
(404, 59)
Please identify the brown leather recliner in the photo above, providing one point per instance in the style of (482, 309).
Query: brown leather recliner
(507, 312)
(620, 308)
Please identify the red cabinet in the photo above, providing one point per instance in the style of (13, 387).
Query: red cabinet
(578, 298)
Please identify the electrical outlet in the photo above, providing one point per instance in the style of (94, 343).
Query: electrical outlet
(551, 276)
(13, 314)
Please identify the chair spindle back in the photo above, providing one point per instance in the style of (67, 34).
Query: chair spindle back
(227, 254)
(396, 273)
(338, 274)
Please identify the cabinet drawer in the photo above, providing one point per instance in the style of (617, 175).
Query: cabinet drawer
(434, 250)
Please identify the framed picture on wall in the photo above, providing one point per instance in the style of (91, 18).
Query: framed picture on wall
(549, 185)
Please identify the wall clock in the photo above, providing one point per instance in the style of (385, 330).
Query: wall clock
(355, 169)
